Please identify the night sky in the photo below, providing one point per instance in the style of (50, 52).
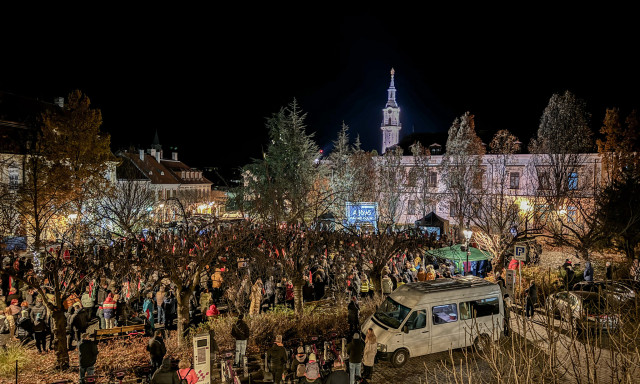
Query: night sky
(206, 80)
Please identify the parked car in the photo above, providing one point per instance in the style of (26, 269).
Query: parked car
(613, 290)
(585, 311)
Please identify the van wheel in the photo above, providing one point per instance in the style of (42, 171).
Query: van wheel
(399, 358)
(482, 343)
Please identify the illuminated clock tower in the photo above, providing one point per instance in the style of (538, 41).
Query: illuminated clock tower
(390, 118)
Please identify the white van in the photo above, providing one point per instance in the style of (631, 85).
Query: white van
(433, 316)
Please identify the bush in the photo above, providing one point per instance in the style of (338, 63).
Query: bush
(8, 357)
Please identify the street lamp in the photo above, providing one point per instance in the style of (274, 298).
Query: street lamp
(467, 235)
(525, 207)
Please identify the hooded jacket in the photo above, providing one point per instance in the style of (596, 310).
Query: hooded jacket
(165, 374)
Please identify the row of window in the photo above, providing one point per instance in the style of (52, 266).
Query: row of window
(449, 313)
(514, 180)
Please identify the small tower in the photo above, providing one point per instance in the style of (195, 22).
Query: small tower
(390, 118)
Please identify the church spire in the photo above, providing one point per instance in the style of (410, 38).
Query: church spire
(156, 142)
(390, 117)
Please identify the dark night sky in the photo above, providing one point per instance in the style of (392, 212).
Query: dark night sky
(206, 80)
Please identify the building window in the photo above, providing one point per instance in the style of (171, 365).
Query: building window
(411, 177)
(411, 207)
(478, 180)
(14, 177)
(572, 213)
(543, 180)
(453, 212)
(572, 180)
(433, 179)
(514, 180)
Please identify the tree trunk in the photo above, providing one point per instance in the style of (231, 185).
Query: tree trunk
(60, 338)
(182, 297)
(297, 298)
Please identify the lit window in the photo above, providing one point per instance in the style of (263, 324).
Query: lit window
(14, 177)
(433, 179)
(572, 180)
(572, 213)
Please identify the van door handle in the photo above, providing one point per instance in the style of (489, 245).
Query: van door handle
(425, 331)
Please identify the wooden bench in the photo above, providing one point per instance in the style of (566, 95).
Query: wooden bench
(126, 330)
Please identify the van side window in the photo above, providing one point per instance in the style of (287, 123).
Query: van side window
(479, 308)
(442, 314)
(417, 320)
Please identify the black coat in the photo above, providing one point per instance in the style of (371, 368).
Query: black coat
(354, 312)
(277, 356)
(88, 353)
(339, 376)
(355, 350)
(156, 348)
(240, 330)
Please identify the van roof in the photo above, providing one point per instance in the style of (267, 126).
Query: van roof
(410, 293)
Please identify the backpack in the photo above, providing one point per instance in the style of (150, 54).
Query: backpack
(183, 380)
(301, 370)
(312, 370)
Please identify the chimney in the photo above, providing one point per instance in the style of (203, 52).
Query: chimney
(59, 101)
(174, 156)
(158, 156)
(141, 154)
(152, 152)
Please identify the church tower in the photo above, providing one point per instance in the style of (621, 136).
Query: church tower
(390, 118)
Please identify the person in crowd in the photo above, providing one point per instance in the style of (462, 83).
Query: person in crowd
(165, 374)
(212, 312)
(256, 298)
(277, 359)
(24, 327)
(319, 284)
(312, 370)
(186, 372)
(240, 332)
(13, 295)
(157, 350)
(532, 299)
(568, 268)
(87, 301)
(205, 300)
(299, 362)
(588, 272)
(338, 375)
(101, 296)
(269, 293)
(109, 311)
(634, 270)
(160, 295)
(353, 315)
(288, 294)
(369, 355)
(422, 274)
(79, 322)
(147, 311)
(87, 356)
(169, 309)
(608, 271)
(355, 350)
(364, 286)
(387, 285)
(40, 333)
(431, 273)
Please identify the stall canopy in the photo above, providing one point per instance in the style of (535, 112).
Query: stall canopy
(479, 260)
(433, 223)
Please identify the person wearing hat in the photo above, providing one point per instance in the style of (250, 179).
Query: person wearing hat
(312, 370)
(338, 375)
(355, 350)
(299, 362)
(277, 359)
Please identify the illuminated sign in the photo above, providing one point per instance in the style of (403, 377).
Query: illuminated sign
(362, 213)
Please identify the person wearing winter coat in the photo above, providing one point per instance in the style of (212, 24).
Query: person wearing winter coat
(165, 374)
(588, 272)
(300, 359)
(256, 298)
(269, 292)
(87, 301)
(185, 372)
(369, 356)
(147, 311)
(355, 350)
(277, 358)
(353, 315)
(205, 300)
(212, 312)
(422, 274)
(169, 307)
(11, 322)
(339, 375)
(240, 332)
(24, 327)
(157, 350)
(532, 299)
(87, 356)
(288, 295)
(40, 333)
(109, 311)
(387, 285)
(160, 295)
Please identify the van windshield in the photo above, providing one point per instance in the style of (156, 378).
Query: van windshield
(391, 313)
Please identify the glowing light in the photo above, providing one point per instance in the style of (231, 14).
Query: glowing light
(467, 234)
(161, 206)
(73, 216)
(525, 206)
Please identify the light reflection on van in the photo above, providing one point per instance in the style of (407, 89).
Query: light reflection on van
(433, 316)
